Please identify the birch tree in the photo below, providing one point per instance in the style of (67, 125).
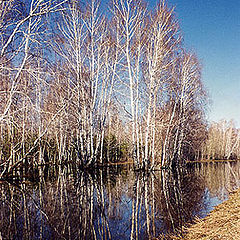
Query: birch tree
(222, 141)
(189, 96)
(163, 42)
(129, 18)
(84, 43)
(65, 64)
(20, 32)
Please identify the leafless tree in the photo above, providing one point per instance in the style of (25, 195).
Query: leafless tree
(62, 93)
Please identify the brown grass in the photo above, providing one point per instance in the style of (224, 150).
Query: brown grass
(212, 161)
(222, 223)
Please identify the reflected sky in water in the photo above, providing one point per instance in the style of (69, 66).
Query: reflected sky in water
(115, 203)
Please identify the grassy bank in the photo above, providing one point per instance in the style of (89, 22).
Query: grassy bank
(222, 223)
(212, 160)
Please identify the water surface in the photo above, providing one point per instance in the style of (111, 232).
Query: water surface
(113, 203)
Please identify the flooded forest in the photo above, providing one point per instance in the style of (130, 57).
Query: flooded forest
(103, 127)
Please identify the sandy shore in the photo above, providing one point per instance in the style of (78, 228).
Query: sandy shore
(222, 223)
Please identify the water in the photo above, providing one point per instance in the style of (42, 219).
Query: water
(114, 203)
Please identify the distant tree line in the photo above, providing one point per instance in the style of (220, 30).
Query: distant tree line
(85, 84)
(223, 141)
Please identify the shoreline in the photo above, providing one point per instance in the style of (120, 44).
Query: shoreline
(212, 160)
(221, 223)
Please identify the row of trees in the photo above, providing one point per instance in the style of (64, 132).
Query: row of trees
(80, 85)
(223, 141)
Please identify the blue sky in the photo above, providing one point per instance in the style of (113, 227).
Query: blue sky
(212, 29)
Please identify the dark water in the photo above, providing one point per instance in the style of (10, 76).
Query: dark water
(114, 203)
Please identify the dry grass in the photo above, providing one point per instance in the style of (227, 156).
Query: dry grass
(222, 223)
(212, 161)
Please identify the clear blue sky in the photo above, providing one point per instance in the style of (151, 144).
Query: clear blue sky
(212, 29)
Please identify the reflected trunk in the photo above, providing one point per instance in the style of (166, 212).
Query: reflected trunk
(112, 203)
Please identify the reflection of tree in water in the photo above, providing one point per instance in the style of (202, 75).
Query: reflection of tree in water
(162, 202)
(68, 208)
(180, 198)
(104, 204)
(79, 206)
(21, 214)
(220, 178)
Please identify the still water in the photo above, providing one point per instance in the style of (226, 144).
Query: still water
(114, 203)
